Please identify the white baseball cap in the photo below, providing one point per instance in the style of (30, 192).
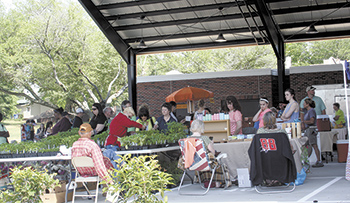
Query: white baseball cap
(79, 110)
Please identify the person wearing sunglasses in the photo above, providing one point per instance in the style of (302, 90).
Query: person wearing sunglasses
(98, 121)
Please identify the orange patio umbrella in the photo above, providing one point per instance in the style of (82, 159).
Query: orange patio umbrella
(189, 94)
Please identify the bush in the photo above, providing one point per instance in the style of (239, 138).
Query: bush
(138, 178)
(28, 185)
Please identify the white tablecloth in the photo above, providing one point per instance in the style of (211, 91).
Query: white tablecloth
(342, 132)
(327, 139)
(237, 155)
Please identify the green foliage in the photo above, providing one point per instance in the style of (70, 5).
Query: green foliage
(307, 53)
(139, 177)
(49, 144)
(102, 136)
(46, 43)
(155, 137)
(28, 185)
(242, 58)
(8, 105)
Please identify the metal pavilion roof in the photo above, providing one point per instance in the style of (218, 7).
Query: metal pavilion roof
(171, 25)
(178, 25)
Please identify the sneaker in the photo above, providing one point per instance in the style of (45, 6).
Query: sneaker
(318, 164)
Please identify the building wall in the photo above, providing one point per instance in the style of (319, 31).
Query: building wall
(301, 77)
(243, 87)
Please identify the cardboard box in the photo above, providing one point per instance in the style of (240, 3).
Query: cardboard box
(57, 194)
(58, 197)
(243, 177)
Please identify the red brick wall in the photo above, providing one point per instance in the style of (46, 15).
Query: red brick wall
(300, 81)
(247, 87)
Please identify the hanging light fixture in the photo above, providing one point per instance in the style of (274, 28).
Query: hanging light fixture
(142, 44)
(220, 37)
(312, 29)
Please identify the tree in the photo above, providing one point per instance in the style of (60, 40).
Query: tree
(242, 58)
(8, 104)
(54, 47)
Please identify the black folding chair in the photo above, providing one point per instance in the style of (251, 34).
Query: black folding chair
(272, 160)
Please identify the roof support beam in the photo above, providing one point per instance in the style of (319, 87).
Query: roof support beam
(189, 35)
(118, 43)
(213, 7)
(319, 36)
(212, 45)
(179, 22)
(272, 30)
(237, 30)
(277, 42)
(310, 8)
(131, 3)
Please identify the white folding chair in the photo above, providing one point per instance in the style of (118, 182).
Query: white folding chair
(84, 162)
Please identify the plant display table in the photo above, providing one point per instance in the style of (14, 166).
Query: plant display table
(149, 151)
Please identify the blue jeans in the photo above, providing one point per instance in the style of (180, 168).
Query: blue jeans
(110, 153)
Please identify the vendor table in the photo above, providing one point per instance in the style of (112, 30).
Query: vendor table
(43, 158)
(327, 139)
(342, 132)
(149, 151)
(237, 155)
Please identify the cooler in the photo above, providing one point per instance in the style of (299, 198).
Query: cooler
(342, 148)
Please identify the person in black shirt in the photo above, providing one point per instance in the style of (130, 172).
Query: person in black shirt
(78, 118)
(97, 122)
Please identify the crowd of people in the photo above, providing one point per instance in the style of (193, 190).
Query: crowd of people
(127, 122)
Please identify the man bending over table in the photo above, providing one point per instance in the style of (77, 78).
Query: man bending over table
(85, 146)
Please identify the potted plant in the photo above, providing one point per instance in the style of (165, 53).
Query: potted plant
(138, 178)
(28, 184)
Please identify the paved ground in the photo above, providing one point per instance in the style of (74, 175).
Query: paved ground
(327, 185)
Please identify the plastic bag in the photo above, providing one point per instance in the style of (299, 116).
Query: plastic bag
(300, 177)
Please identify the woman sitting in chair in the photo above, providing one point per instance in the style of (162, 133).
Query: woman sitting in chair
(269, 121)
(197, 128)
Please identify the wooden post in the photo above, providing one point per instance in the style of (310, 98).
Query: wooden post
(294, 133)
(299, 130)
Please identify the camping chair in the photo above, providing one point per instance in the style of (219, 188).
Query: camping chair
(200, 162)
(84, 162)
(272, 159)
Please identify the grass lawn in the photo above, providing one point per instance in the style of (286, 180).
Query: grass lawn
(14, 128)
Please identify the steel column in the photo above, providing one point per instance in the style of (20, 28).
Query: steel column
(132, 79)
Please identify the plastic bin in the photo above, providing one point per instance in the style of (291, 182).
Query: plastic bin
(342, 149)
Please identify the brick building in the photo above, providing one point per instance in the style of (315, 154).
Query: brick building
(247, 85)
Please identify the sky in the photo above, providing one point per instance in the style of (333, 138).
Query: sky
(7, 3)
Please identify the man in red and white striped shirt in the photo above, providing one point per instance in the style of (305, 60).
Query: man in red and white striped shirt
(84, 146)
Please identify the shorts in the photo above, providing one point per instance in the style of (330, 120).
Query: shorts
(311, 135)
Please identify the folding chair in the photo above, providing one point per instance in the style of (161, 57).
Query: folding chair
(272, 159)
(84, 162)
(200, 163)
